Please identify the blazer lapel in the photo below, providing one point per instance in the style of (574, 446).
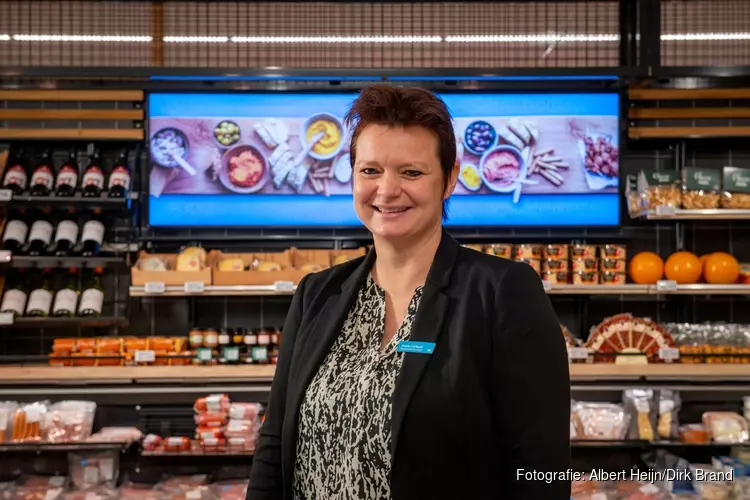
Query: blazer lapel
(427, 326)
(318, 337)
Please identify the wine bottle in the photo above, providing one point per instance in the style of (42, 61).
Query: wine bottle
(15, 234)
(67, 176)
(66, 236)
(66, 299)
(40, 237)
(40, 299)
(43, 176)
(119, 179)
(92, 238)
(14, 298)
(92, 298)
(93, 177)
(16, 175)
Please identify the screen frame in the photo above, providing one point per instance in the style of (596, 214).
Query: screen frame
(552, 89)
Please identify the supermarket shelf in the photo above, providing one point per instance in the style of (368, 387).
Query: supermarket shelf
(697, 214)
(264, 290)
(197, 453)
(51, 261)
(60, 375)
(55, 322)
(635, 443)
(67, 202)
(62, 447)
(603, 372)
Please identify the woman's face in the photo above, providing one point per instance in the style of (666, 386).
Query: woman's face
(398, 182)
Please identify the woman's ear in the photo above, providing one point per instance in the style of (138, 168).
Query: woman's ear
(452, 179)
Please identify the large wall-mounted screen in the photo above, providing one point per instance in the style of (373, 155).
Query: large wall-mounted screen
(282, 160)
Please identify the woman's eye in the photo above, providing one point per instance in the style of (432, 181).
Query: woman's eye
(413, 173)
(368, 171)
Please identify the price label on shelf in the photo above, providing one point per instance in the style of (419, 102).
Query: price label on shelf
(5, 255)
(195, 287)
(546, 285)
(283, 286)
(669, 353)
(204, 354)
(145, 356)
(6, 195)
(154, 287)
(578, 353)
(6, 318)
(666, 286)
(665, 211)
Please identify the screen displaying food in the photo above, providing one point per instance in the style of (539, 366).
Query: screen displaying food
(283, 159)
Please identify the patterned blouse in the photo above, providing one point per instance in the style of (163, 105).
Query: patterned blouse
(344, 435)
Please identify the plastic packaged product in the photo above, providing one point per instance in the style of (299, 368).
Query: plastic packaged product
(68, 421)
(701, 188)
(116, 435)
(26, 493)
(230, 490)
(695, 434)
(94, 469)
(584, 264)
(7, 411)
(580, 251)
(736, 194)
(180, 484)
(556, 252)
(611, 278)
(214, 403)
(152, 442)
(659, 189)
(585, 278)
(42, 482)
(96, 493)
(27, 422)
(211, 419)
(137, 491)
(726, 427)
(556, 277)
(555, 265)
(175, 444)
(528, 251)
(204, 433)
(614, 252)
(639, 404)
(504, 250)
(245, 411)
(669, 404)
(603, 421)
(614, 265)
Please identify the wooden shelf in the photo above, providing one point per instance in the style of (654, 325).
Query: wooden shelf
(684, 113)
(115, 134)
(600, 372)
(687, 94)
(677, 214)
(72, 114)
(687, 132)
(629, 289)
(72, 95)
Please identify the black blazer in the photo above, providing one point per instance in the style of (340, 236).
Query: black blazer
(492, 399)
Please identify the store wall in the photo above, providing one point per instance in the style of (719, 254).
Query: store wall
(596, 21)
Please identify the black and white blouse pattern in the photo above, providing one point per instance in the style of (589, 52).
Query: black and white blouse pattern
(344, 434)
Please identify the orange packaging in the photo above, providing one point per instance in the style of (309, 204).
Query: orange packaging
(584, 264)
(585, 278)
(527, 251)
(556, 252)
(609, 278)
(695, 433)
(162, 344)
(205, 433)
(63, 345)
(215, 403)
(555, 277)
(211, 420)
(177, 444)
(617, 252)
(555, 265)
(503, 250)
(613, 265)
(578, 251)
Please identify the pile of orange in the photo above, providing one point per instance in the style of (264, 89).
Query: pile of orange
(720, 268)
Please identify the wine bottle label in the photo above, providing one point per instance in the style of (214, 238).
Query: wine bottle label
(92, 298)
(16, 175)
(93, 177)
(67, 230)
(65, 300)
(43, 175)
(16, 230)
(41, 230)
(67, 175)
(119, 177)
(223, 339)
(13, 300)
(93, 230)
(40, 299)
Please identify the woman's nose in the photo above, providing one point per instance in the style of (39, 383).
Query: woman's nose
(389, 185)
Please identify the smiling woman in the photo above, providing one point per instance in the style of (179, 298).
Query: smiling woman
(423, 369)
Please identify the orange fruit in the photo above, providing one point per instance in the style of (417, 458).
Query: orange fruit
(646, 268)
(683, 267)
(721, 269)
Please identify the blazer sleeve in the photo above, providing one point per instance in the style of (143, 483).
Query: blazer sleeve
(531, 389)
(265, 474)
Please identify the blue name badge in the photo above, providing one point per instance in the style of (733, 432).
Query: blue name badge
(415, 347)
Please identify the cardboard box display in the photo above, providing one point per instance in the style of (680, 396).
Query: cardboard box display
(229, 278)
(351, 253)
(170, 277)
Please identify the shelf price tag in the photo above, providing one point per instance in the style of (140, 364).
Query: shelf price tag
(283, 286)
(6, 195)
(145, 356)
(195, 287)
(546, 285)
(669, 353)
(154, 287)
(666, 286)
(204, 354)
(6, 318)
(665, 211)
(578, 353)
(5, 255)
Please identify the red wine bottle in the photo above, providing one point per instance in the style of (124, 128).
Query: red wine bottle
(119, 179)
(17, 174)
(43, 177)
(92, 183)
(67, 176)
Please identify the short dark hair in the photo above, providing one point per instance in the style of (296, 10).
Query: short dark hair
(395, 106)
